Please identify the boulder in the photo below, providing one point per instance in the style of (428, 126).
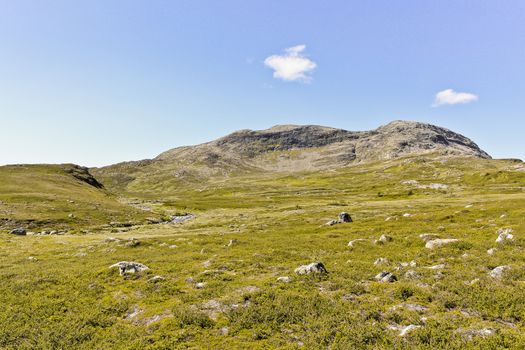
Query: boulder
(345, 217)
(386, 277)
(315, 267)
(19, 232)
(437, 243)
(126, 267)
(504, 235)
(499, 271)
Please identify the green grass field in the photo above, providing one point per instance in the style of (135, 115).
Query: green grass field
(66, 297)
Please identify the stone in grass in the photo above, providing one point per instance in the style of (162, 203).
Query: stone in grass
(351, 243)
(345, 217)
(412, 275)
(284, 279)
(386, 277)
(126, 267)
(200, 285)
(19, 232)
(381, 261)
(403, 330)
(438, 243)
(504, 235)
(315, 267)
(499, 271)
(383, 239)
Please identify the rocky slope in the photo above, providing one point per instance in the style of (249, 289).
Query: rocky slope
(292, 148)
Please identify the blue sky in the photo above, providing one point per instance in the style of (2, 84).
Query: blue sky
(98, 82)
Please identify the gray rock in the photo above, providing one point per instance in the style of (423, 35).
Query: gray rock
(351, 243)
(315, 267)
(18, 231)
(126, 267)
(438, 243)
(505, 235)
(386, 277)
(284, 279)
(499, 271)
(381, 261)
(345, 217)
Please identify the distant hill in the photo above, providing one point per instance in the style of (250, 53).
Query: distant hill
(289, 148)
(57, 197)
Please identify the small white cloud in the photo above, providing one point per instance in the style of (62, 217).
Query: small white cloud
(292, 66)
(451, 97)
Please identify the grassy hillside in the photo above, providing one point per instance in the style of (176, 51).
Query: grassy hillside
(56, 197)
(252, 228)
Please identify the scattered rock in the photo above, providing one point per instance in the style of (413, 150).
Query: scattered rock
(381, 261)
(491, 251)
(156, 279)
(427, 236)
(345, 217)
(332, 222)
(499, 271)
(383, 239)
(200, 285)
(126, 267)
(284, 279)
(18, 231)
(32, 258)
(505, 235)
(407, 215)
(403, 330)
(386, 277)
(181, 218)
(351, 243)
(224, 331)
(173, 246)
(315, 267)
(437, 243)
(134, 312)
(436, 267)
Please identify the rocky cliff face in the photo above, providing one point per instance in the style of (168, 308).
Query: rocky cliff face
(397, 139)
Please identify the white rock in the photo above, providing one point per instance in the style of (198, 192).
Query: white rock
(315, 267)
(385, 277)
(436, 267)
(505, 234)
(381, 261)
(407, 215)
(351, 243)
(200, 285)
(499, 271)
(129, 267)
(284, 279)
(437, 243)
(491, 251)
(427, 236)
(403, 330)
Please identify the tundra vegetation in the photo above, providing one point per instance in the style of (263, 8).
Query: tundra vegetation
(225, 277)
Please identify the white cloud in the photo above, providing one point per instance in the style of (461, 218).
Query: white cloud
(292, 66)
(451, 97)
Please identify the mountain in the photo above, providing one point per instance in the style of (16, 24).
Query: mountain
(289, 148)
